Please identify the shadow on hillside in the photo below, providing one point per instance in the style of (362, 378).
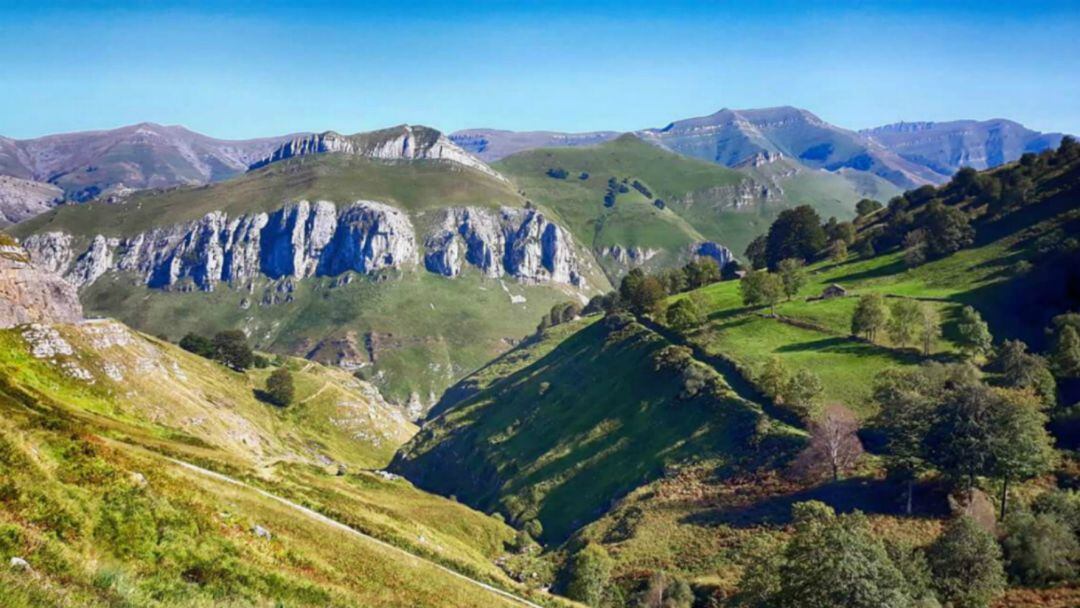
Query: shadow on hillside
(873, 496)
(895, 267)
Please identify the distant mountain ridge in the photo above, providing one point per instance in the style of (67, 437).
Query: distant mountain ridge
(89, 164)
(906, 154)
(945, 147)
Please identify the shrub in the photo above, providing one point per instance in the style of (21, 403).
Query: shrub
(684, 314)
(1040, 549)
(590, 572)
(966, 562)
(199, 345)
(557, 173)
(279, 387)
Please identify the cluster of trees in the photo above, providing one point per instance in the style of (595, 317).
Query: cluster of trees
(764, 288)
(799, 234)
(930, 222)
(908, 322)
(614, 188)
(795, 392)
(557, 173)
(645, 294)
(230, 348)
(589, 582)
(563, 312)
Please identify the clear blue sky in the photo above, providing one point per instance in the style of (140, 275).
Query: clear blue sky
(244, 69)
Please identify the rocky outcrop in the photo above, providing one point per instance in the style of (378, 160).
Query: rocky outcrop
(629, 256)
(306, 239)
(404, 142)
(709, 249)
(521, 243)
(22, 199)
(31, 295)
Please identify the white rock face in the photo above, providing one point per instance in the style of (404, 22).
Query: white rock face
(520, 243)
(306, 239)
(396, 143)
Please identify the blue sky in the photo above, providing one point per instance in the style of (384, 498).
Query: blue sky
(245, 69)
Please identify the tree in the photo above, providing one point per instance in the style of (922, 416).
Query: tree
(838, 251)
(966, 562)
(590, 571)
(199, 345)
(796, 233)
(684, 314)
(834, 448)
(1066, 355)
(831, 560)
(757, 252)
(974, 333)
(929, 327)
(774, 379)
(761, 288)
(231, 349)
(1020, 447)
(665, 591)
(903, 323)
(1040, 549)
(1023, 370)
(792, 275)
(643, 294)
(843, 232)
(801, 392)
(279, 387)
(533, 528)
(869, 317)
(701, 272)
(948, 229)
(867, 206)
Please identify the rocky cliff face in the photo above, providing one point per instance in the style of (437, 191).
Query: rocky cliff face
(319, 239)
(32, 295)
(516, 242)
(22, 199)
(396, 143)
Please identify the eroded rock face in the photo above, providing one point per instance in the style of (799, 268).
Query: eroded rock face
(31, 295)
(716, 251)
(520, 243)
(305, 239)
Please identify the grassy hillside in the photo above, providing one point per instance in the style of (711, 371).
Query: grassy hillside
(700, 198)
(411, 186)
(560, 428)
(90, 501)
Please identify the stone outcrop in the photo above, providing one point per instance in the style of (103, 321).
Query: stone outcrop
(31, 295)
(21, 199)
(306, 239)
(629, 256)
(709, 249)
(404, 142)
(521, 243)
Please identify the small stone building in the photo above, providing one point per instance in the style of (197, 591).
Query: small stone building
(833, 291)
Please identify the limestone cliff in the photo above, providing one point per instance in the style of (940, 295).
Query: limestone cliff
(31, 295)
(306, 239)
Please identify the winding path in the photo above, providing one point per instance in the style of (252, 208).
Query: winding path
(314, 515)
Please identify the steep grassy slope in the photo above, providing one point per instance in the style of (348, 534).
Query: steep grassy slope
(560, 428)
(702, 200)
(88, 498)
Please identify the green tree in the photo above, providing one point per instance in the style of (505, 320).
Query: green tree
(684, 314)
(966, 562)
(1066, 354)
(948, 229)
(796, 233)
(642, 294)
(792, 275)
(774, 379)
(867, 206)
(974, 333)
(870, 316)
(590, 572)
(1023, 370)
(1040, 549)
(701, 272)
(831, 560)
(1020, 447)
(199, 345)
(664, 591)
(279, 387)
(757, 252)
(838, 251)
(903, 324)
(761, 288)
(929, 327)
(231, 349)
(801, 392)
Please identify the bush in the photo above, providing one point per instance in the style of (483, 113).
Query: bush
(1040, 550)
(231, 349)
(199, 345)
(557, 173)
(966, 562)
(590, 572)
(684, 314)
(279, 387)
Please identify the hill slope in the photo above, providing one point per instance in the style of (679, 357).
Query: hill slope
(415, 271)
